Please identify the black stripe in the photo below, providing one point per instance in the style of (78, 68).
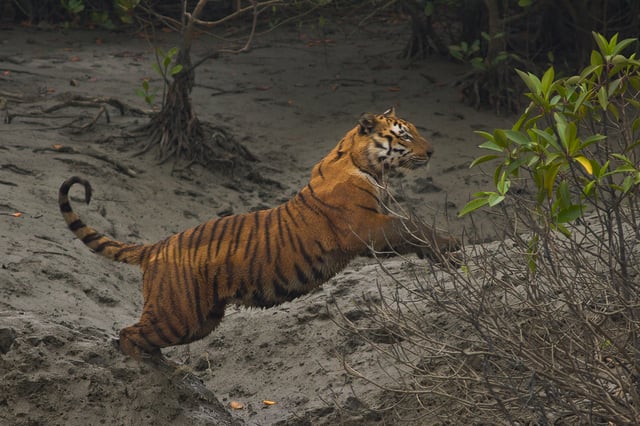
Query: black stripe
(177, 247)
(238, 234)
(65, 207)
(319, 244)
(280, 275)
(152, 268)
(104, 245)
(212, 238)
(365, 171)
(267, 238)
(242, 289)
(76, 224)
(368, 208)
(145, 337)
(280, 232)
(293, 219)
(197, 300)
(216, 291)
(318, 275)
(305, 255)
(367, 191)
(91, 237)
(222, 235)
(176, 312)
(302, 277)
(229, 272)
(255, 241)
(232, 233)
(161, 333)
(123, 252)
(280, 291)
(249, 242)
(324, 203)
(320, 170)
(332, 227)
(173, 329)
(198, 239)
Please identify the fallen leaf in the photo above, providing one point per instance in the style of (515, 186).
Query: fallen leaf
(268, 402)
(5, 73)
(75, 59)
(57, 146)
(235, 405)
(394, 89)
(263, 87)
(16, 214)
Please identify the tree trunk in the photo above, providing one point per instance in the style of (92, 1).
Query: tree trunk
(176, 130)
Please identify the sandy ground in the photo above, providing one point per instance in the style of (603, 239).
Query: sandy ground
(289, 101)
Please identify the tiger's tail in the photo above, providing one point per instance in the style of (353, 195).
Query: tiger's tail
(99, 243)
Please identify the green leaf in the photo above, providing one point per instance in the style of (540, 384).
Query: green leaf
(602, 43)
(483, 159)
(569, 214)
(591, 140)
(492, 146)
(495, 199)
(549, 176)
(175, 69)
(550, 138)
(503, 185)
(602, 98)
(587, 190)
(622, 45)
(473, 205)
(613, 86)
(172, 52)
(518, 137)
(532, 82)
(546, 81)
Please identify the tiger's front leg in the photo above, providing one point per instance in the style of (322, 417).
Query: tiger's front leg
(416, 237)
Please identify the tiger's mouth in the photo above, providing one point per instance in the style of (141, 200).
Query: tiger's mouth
(415, 162)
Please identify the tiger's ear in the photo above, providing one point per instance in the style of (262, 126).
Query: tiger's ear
(367, 123)
(391, 112)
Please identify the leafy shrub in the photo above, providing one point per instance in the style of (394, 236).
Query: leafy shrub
(543, 326)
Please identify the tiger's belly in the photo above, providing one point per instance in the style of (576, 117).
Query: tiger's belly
(263, 285)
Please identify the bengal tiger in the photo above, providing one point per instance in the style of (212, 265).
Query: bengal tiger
(264, 258)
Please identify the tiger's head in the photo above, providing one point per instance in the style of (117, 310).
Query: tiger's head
(384, 142)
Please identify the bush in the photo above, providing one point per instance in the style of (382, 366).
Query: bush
(543, 326)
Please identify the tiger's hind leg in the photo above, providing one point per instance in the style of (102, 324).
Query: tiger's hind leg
(140, 341)
(146, 337)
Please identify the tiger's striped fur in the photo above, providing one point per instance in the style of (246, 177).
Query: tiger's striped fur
(268, 257)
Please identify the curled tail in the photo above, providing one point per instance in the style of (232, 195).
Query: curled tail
(100, 243)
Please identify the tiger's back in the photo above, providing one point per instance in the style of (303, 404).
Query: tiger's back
(264, 258)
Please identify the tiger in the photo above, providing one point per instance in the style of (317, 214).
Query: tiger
(264, 258)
